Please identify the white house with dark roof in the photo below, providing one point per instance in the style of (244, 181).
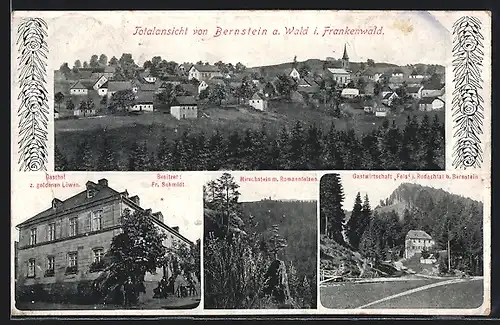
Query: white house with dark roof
(81, 87)
(430, 104)
(432, 90)
(103, 90)
(416, 241)
(414, 91)
(292, 72)
(203, 72)
(340, 75)
(147, 76)
(349, 93)
(389, 98)
(65, 244)
(143, 102)
(258, 101)
(185, 107)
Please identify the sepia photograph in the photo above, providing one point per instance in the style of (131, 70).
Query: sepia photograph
(260, 242)
(404, 242)
(106, 242)
(340, 104)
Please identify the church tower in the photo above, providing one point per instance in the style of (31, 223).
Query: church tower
(345, 59)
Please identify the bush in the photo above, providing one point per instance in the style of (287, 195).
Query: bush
(35, 292)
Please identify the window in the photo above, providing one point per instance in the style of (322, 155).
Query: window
(33, 236)
(73, 226)
(50, 266)
(72, 263)
(98, 255)
(51, 231)
(96, 220)
(31, 268)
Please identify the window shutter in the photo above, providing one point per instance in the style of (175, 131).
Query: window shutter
(87, 224)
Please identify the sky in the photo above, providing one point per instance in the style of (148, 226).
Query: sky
(258, 190)
(181, 207)
(407, 37)
(378, 189)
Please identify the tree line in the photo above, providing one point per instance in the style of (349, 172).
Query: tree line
(380, 235)
(419, 145)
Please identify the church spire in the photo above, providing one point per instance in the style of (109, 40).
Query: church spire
(345, 56)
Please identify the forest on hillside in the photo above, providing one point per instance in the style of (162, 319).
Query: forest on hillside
(257, 255)
(418, 145)
(379, 234)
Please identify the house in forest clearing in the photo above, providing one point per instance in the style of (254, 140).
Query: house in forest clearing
(185, 107)
(416, 241)
(64, 245)
(258, 101)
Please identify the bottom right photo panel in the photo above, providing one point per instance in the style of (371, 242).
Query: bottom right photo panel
(404, 241)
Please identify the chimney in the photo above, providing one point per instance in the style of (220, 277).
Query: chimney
(136, 200)
(158, 216)
(176, 229)
(103, 182)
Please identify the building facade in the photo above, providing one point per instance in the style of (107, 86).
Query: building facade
(416, 241)
(67, 242)
(184, 108)
(202, 72)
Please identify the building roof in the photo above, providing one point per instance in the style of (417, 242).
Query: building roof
(368, 72)
(147, 86)
(185, 100)
(216, 81)
(429, 100)
(206, 68)
(74, 201)
(258, 96)
(190, 88)
(388, 95)
(413, 89)
(105, 85)
(433, 86)
(418, 234)
(350, 91)
(119, 85)
(338, 71)
(144, 97)
(83, 84)
(345, 56)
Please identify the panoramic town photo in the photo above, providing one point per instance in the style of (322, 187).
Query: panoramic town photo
(259, 248)
(345, 111)
(106, 242)
(400, 243)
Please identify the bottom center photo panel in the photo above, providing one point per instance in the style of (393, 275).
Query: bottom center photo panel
(260, 240)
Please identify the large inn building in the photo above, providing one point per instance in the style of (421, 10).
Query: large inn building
(67, 242)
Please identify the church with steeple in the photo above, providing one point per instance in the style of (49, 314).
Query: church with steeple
(345, 59)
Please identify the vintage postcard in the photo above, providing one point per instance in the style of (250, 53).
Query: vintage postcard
(250, 162)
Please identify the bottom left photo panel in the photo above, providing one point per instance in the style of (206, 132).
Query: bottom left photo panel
(105, 241)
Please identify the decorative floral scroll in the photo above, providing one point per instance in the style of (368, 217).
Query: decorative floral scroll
(33, 111)
(467, 104)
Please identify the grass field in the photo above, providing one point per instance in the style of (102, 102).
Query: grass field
(353, 295)
(465, 295)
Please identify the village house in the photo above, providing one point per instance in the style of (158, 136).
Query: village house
(414, 91)
(101, 80)
(56, 114)
(103, 90)
(430, 104)
(81, 87)
(65, 244)
(381, 110)
(184, 68)
(349, 93)
(416, 241)
(174, 80)
(108, 72)
(147, 76)
(377, 76)
(143, 102)
(190, 89)
(115, 86)
(432, 90)
(397, 73)
(293, 72)
(414, 75)
(341, 76)
(83, 112)
(389, 98)
(203, 72)
(385, 90)
(368, 75)
(258, 101)
(185, 107)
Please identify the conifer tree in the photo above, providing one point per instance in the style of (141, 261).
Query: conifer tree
(234, 150)
(351, 149)
(107, 160)
(293, 281)
(60, 161)
(138, 159)
(284, 149)
(297, 159)
(84, 159)
(202, 153)
(354, 229)
(163, 155)
(217, 151)
(313, 149)
(332, 157)
(331, 211)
